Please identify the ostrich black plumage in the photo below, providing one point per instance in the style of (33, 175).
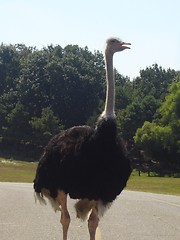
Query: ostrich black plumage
(85, 163)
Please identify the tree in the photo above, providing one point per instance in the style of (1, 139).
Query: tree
(45, 126)
(83, 84)
(65, 79)
(9, 68)
(16, 128)
(145, 95)
(154, 81)
(160, 139)
(134, 115)
(67, 84)
(124, 91)
(64, 84)
(170, 109)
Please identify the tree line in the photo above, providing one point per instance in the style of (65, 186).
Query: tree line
(45, 91)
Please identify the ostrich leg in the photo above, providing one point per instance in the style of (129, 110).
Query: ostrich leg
(65, 217)
(93, 223)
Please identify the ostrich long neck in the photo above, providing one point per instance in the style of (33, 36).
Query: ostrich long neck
(110, 91)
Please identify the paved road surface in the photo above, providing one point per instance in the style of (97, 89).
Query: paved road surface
(134, 215)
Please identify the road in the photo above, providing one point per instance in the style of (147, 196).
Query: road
(134, 215)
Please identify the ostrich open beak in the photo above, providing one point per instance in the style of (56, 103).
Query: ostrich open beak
(124, 45)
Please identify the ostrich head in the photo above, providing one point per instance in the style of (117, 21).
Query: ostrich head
(115, 45)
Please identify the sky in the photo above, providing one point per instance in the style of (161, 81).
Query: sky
(151, 26)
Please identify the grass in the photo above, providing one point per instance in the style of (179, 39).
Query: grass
(19, 171)
(161, 185)
(16, 171)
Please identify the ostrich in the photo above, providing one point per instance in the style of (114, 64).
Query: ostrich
(88, 164)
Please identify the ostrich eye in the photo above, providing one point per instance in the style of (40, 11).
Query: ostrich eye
(113, 41)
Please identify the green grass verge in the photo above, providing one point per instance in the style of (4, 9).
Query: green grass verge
(162, 185)
(19, 171)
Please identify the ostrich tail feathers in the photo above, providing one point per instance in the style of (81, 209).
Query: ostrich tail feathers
(42, 201)
(103, 207)
(83, 207)
(39, 197)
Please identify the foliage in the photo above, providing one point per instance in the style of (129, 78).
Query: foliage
(154, 81)
(134, 115)
(160, 138)
(43, 90)
(146, 93)
(47, 90)
(16, 120)
(45, 126)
